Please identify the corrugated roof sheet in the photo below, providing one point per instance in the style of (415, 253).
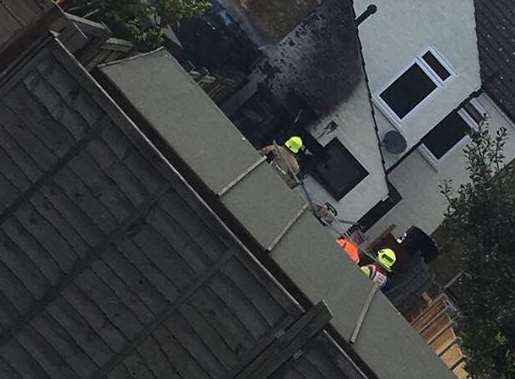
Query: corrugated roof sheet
(209, 144)
(496, 39)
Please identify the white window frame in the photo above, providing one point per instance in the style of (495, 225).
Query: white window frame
(383, 105)
(435, 162)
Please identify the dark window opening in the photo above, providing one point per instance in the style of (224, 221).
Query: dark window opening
(436, 66)
(473, 112)
(446, 134)
(409, 90)
(380, 209)
(337, 170)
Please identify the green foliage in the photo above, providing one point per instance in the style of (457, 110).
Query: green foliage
(481, 219)
(140, 21)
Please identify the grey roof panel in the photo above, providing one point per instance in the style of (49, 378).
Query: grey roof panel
(180, 112)
(272, 207)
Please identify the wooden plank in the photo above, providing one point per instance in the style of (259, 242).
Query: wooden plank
(308, 370)
(47, 357)
(46, 235)
(227, 325)
(22, 266)
(104, 189)
(34, 115)
(81, 222)
(61, 341)
(18, 358)
(33, 146)
(72, 186)
(195, 225)
(183, 243)
(143, 170)
(156, 360)
(117, 171)
(122, 291)
(119, 372)
(68, 94)
(8, 193)
(363, 313)
(209, 336)
(13, 173)
(240, 305)
(148, 269)
(78, 328)
(7, 371)
(14, 151)
(113, 308)
(135, 280)
(94, 316)
(259, 293)
(165, 256)
(47, 211)
(288, 344)
(178, 356)
(137, 368)
(8, 312)
(186, 336)
(14, 291)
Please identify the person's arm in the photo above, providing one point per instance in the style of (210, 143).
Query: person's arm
(267, 149)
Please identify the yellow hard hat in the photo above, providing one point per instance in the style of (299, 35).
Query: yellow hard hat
(386, 257)
(366, 270)
(294, 144)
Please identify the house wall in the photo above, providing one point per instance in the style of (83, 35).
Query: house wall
(418, 181)
(356, 132)
(403, 29)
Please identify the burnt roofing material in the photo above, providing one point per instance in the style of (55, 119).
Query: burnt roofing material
(495, 24)
(319, 59)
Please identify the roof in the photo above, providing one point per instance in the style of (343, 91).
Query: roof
(161, 94)
(496, 39)
(320, 58)
(111, 265)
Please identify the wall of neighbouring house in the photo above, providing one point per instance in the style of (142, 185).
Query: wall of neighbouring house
(418, 181)
(401, 30)
(356, 132)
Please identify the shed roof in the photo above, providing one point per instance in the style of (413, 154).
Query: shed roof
(496, 39)
(162, 93)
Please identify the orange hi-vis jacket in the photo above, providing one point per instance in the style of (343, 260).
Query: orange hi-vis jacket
(350, 248)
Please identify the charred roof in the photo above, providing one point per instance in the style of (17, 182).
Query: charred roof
(320, 59)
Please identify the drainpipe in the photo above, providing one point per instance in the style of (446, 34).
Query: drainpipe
(371, 9)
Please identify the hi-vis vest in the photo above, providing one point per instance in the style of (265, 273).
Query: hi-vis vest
(377, 276)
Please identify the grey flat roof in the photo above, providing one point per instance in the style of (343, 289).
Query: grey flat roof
(207, 142)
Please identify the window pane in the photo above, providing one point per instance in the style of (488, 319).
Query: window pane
(337, 170)
(446, 134)
(408, 91)
(435, 64)
(473, 112)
